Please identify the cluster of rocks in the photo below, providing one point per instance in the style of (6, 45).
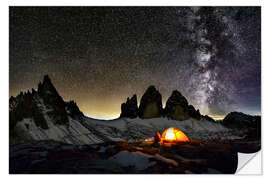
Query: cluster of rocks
(47, 157)
(34, 104)
(176, 108)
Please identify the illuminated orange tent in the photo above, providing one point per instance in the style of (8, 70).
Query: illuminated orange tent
(173, 134)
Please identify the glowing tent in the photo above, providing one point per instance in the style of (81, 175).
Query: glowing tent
(173, 134)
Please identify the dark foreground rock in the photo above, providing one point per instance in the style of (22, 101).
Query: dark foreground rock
(49, 157)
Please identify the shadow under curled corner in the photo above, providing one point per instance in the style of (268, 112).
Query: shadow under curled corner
(249, 164)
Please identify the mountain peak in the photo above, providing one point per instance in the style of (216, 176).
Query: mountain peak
(46, 88)
(46, 78)
(32, 105)
(178, 98)
(176, 93)
(177, 107)
(151, 88)
(151, 103)
(130, 108)
(240, 120)
(134, 98)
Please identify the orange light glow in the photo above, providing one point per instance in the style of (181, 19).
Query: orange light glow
(174, 135)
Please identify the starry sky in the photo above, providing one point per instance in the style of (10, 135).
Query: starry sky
(99, 56)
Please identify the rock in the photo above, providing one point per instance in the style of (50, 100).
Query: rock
(194, 113)
(51, 98)
(49, 93)
(244, 122)
(205, 117)
(36, 104)
(241, 120)
(12, 103)
(130, 108)
(34, 91)
(47, 157)
(151, 104)
(73, 110)
(177, 106)
(27, 108)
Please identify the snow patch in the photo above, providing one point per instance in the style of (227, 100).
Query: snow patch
(137, 159)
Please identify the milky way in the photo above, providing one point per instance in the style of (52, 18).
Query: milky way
(99, 56)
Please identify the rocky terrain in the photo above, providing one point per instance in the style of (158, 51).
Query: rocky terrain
(121, 157)
(46, 131)
(195, 157)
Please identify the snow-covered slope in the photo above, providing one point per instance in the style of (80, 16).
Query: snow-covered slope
(134, 129)
(75, 133)
(91, 131)
(44, 115)
(72, 132)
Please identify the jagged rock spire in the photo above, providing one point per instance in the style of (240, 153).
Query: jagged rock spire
(151, 103)
(73, 110)
(46, 87)
(32, 105)
(177, 108)
(130, 108)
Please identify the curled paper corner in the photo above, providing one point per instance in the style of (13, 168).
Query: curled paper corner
(249, 164)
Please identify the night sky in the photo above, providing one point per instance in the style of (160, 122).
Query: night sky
(99, 56)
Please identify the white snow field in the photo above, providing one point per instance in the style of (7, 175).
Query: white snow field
(92, 131)
(75, 133)
(135, 129)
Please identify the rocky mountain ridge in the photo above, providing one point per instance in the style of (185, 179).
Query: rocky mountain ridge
(43, 115)
(177, 106)
(40, 105)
